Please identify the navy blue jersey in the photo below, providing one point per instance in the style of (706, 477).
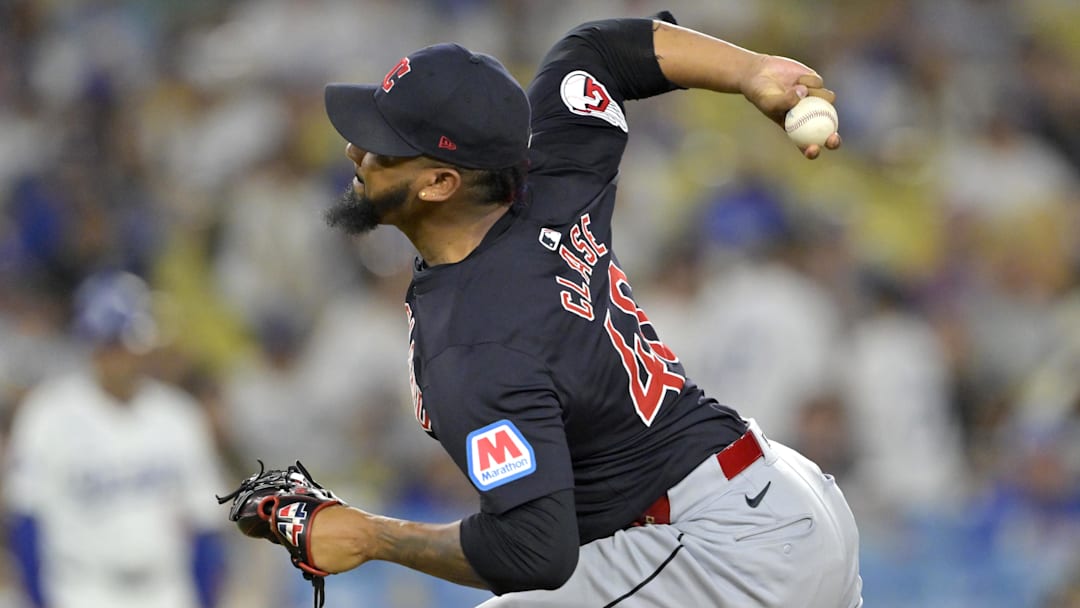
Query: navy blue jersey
(530, 360)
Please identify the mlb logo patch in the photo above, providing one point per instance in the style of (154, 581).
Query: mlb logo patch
(550, 238)
(498, 454)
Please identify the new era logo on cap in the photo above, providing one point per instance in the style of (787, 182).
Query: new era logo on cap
(442, 101)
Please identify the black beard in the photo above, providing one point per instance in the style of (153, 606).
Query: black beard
(359, 214)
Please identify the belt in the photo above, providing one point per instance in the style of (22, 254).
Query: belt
(733, 459)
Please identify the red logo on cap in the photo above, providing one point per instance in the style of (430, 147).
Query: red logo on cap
(446, 144)
(399, 70)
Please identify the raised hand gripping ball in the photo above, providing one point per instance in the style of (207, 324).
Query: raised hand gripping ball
(811, 121)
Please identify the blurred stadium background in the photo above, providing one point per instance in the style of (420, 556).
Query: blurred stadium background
(905, 310)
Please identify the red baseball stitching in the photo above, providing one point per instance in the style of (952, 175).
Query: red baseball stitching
(813, 114)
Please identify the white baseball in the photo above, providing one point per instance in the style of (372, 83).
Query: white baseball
(811, 121)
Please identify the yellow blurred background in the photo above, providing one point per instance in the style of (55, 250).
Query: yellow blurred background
(905, 310)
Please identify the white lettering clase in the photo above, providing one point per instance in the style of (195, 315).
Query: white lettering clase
(577, 298)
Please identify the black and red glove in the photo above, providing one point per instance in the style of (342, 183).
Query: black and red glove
(280, 506)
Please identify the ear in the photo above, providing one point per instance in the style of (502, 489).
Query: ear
(438, 184)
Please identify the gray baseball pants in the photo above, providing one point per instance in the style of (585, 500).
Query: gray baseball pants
(798, 547)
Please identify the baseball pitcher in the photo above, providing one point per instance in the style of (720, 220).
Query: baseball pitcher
(606, 476)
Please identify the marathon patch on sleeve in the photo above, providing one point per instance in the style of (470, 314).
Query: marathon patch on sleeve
(498, 453)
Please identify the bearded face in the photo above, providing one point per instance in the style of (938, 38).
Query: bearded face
(359, 213)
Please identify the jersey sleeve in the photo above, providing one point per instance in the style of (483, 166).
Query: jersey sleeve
(578, 101)
(499, 419)
(202, 474)
(29, 461)
(196, 452)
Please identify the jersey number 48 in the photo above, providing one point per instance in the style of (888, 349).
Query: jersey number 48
(644, 357)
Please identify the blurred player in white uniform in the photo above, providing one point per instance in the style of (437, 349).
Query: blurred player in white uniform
(110, 479)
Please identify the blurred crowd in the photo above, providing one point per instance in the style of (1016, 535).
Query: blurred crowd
(905, 311)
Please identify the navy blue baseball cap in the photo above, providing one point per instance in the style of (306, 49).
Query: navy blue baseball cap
(442, 101)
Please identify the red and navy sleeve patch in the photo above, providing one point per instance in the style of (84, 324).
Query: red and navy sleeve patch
(584, 95)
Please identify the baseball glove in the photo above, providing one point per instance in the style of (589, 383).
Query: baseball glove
(280, 505)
